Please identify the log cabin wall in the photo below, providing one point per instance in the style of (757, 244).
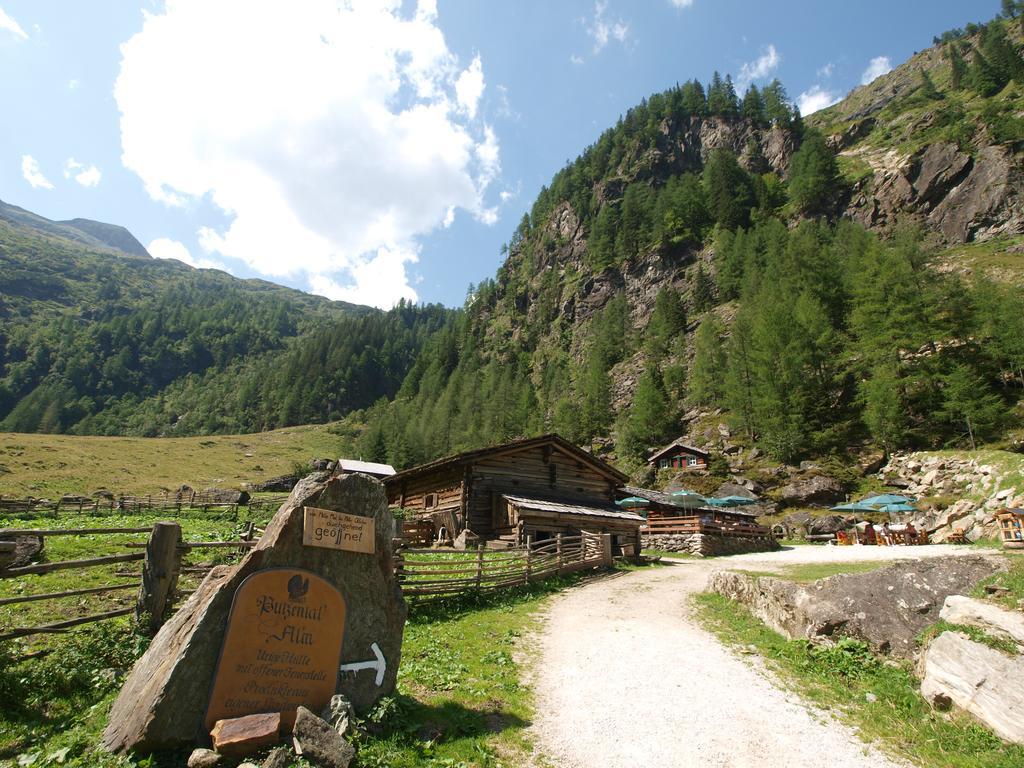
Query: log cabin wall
(436, 495)
(541, 470)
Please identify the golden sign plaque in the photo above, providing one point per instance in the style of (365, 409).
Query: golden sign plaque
(337, 530)
(282, 646)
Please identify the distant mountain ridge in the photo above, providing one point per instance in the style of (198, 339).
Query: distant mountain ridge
(95, 234)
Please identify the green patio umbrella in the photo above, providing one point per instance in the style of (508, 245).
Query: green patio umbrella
(739, 501)
(723, 502)
(688, 499)
(898, 507)
(855, 506)
(632, 501)
(886, 498)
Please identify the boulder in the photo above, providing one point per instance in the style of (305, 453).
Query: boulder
(322, 465)
(203, 758)
(318, 743)
(735, 489)
(871, 463)
(226, 496)
(279, 757)
(340, 714)
(977, 613)
(828, 524)
(886, 608)
(466, 540)
(240, 736)
(27, 549)
(163, 702)
(818, 490)
(280, 484)
(981, 680)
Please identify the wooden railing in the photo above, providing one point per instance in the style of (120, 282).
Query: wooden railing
(673, 526)
(431, 573)
(417, 533)
(163, 557)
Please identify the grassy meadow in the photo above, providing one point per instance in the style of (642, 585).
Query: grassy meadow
(46, 466)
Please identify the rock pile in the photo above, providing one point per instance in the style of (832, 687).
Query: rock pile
(982, 488)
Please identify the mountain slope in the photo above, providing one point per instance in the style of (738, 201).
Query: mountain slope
(103, 340)
(713, 254)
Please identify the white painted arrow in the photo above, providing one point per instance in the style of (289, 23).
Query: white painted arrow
(379, 664)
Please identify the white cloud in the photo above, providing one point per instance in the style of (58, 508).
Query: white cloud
(577, 60)
(87, 176)
(681, 3)
(876, 68)
(470, 87)
(165, 248)
(760, 68)
(330, 158)
(603, 29)
(816, 98)
(73, 83)
(10, 25)
(33, 174)
(827, 70)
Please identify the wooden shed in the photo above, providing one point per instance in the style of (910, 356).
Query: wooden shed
(1011, 528)
(679, 456)
(537, 487)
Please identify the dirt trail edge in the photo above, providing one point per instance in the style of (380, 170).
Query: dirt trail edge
(626, 677)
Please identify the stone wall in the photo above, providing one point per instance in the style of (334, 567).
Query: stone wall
(705, 545)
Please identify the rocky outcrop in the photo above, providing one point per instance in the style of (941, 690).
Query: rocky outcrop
(281, 484)
(225, 496)
(981, 680)
(817, 491)
(886, 608)
(995, 620)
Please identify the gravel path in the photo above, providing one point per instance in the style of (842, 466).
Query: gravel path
(626, 678)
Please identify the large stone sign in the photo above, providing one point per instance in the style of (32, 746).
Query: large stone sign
(282, 648)
(165, 700)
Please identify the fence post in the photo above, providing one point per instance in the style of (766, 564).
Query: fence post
(558, 551)
(479, 566)
(529, 554)
(159, 574)
(606, 549)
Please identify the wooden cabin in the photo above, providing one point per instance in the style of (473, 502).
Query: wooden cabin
(536, 488)
(679, 456)
(1011, 528)
(665, 506)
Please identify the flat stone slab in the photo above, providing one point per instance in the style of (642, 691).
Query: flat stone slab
(981, 680)
(977, 613)
(318, 742)
(240, 736)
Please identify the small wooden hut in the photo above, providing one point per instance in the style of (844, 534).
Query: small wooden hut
(679, 456)
(536, 488)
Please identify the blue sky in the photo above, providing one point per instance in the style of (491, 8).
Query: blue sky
(370, 151)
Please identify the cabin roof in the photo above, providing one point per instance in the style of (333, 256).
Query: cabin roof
(515, 446)
(366, 467)
(570, 508)
(677, 445)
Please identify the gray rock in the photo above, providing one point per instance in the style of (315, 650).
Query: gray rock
(340, 714)
(27, 550)
(818, 526)
(317, 742)
(818, 490)
(163, 702)
(886, 608)
(735, 489)
(466, 540)
(977, 613)
(280, 484)
(226, 496)
(279, 757)
(203, 758)
(976, 678)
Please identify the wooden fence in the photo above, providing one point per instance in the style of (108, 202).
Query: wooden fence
(162, 556)
(432, 573)
(674, 526)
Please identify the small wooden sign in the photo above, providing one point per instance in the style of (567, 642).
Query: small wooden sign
(282, 647)
(337, 530)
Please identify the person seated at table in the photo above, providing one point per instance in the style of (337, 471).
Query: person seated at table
(869, 534)
(910, 533)
(886, 533)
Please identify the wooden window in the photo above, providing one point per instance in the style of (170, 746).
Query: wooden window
(664, 463)
(429, 501)
(692, 461)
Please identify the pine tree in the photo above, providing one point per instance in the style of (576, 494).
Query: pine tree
(667, 323)
(885, 412)
(729, 190)
(694, 101)
(648, 421)
(967, 401)
(958, 67)
(739, 374)
(706, 385)
(703, 290)
(753, 105)
(776, 104)
(814, 175)
(719, 103)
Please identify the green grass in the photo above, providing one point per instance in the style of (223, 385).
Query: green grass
(841, 677)
(1012, 579)
(991, 257)
(47, 466)
(807, 572)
